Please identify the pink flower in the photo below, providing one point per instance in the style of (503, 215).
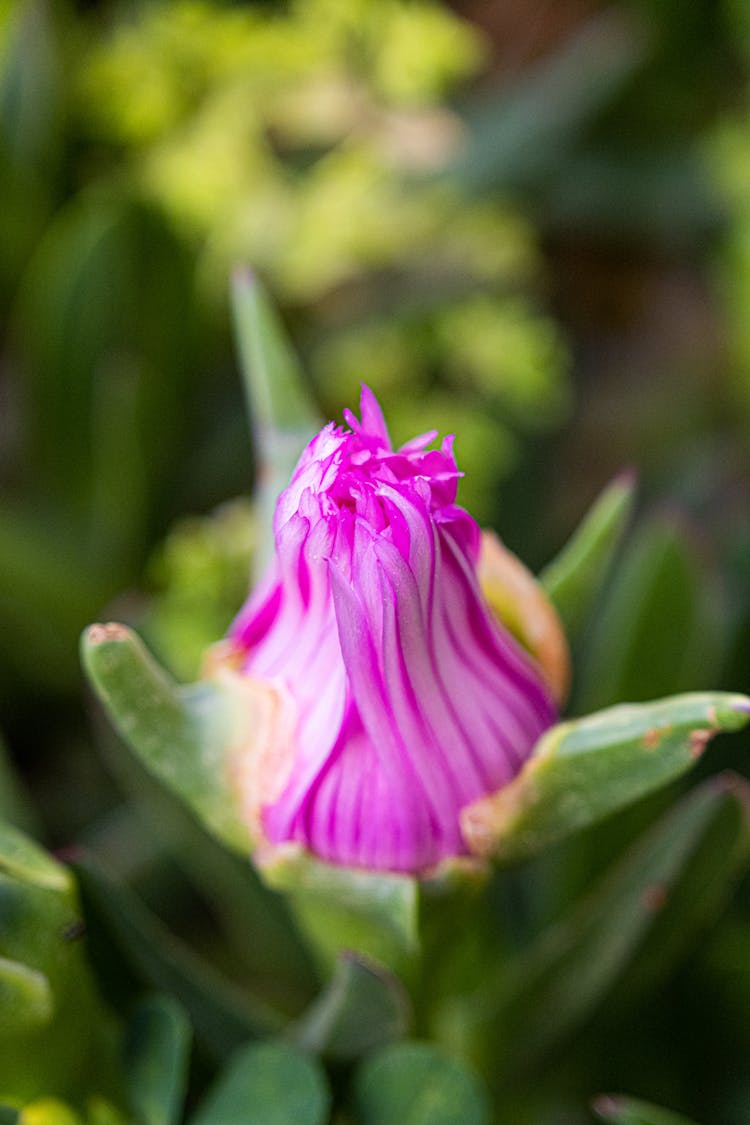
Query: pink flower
(388, 695)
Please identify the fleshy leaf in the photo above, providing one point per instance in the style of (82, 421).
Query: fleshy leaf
(373, 912)
(658, 630)
(670, 882)
(574, 579)
(620, 1110)
(283, 414)
(415, 1083)
(52, 1027)
(181, 734)
(222, 1014)
(581, 771)
(157, 1050)
(26, 999)
(363, 1007)
(21, 858)
(268, 1084)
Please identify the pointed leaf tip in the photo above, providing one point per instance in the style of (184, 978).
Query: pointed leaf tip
(621, 1110)
(575, 577)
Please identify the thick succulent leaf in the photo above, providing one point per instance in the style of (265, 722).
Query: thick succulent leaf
(181, 734)
(341, 908)
(574, 579)
(157, 1050)
(51, 1024)
(583, 770)
(22, 859)
(363, 1007)
(670, 882)
(631, 1111)
(658, 630)
(269, 1084)
(26, 999)
(222, 1014)
(416, 1084)
(283, 414)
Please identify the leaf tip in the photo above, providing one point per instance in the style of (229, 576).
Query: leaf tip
(607, 1107)
(99, 634)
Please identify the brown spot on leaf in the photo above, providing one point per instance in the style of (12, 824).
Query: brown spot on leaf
(652, 738)
(698, 741)
(654, 897)
(112, 631)
(607, 1106)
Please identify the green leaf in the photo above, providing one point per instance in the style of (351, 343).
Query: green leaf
(574, 579)
(181, 734)
(337, 908)
(157, 1052)
(222, 1014)
(52, 1027)
(658, 631)
(268, 1084)
(363, 1007)
(22, 859)
(416, 1084)
(281, 408)
(647, 907)
(630, 1111)
(583, 770)
(26, 999)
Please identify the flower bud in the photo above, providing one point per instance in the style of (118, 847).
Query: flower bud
(390, 697)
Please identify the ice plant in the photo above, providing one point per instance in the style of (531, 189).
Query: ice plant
(393, 697)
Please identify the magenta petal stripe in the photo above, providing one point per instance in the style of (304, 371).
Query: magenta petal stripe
(410, 699)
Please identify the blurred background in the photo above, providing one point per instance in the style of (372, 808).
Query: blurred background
(523, 221)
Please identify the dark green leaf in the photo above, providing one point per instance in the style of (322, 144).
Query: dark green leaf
(157, 1051)
(268, 1084)
(650, 905)
(363, 1007)
(573, 580)
(657, 632)
(416, 1084)
(222, 1014)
